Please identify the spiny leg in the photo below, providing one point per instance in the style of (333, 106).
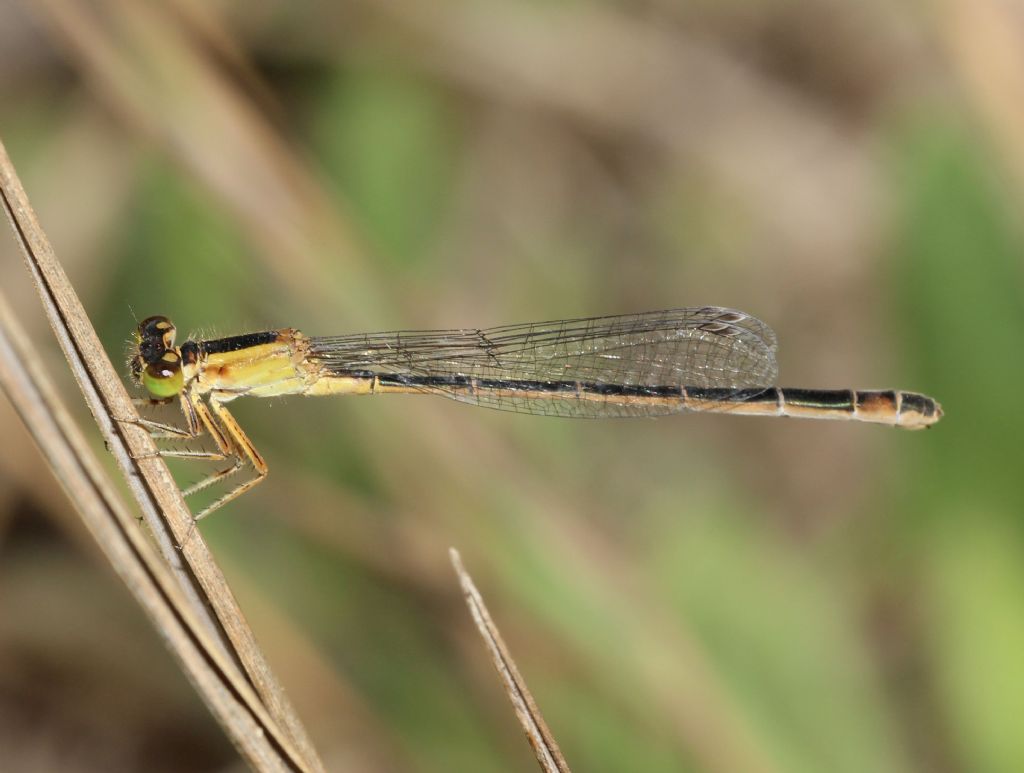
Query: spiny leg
(194, 429)
(158, 429)
(240, 446)
(206, 422)
(199, 421)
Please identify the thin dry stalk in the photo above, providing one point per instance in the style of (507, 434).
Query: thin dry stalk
(229, 696)
(150, 480)
(549, 756)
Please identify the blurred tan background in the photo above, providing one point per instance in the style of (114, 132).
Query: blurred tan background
(698, 593)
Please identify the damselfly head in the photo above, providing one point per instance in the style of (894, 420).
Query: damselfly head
(156, 364)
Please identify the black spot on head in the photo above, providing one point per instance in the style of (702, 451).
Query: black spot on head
(151, 351)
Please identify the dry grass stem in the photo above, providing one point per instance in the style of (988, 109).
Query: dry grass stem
(229, 696)
(158, 496)
(549, 756)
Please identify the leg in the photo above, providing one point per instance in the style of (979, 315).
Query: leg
(237, 444)
(227, 448)
(157, 429)
(232, 443)
(191, 409)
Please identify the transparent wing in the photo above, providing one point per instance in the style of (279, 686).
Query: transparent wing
(648, 354)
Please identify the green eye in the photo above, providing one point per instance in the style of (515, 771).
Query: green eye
(163, 378)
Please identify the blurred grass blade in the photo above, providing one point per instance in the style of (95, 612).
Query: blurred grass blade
(549, 756)
(160, 69)
(146, 472)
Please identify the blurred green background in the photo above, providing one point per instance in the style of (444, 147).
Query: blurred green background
(701, 593)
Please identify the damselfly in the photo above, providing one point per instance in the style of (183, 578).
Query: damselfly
(706, 359)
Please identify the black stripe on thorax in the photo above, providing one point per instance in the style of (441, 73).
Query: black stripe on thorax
(233, 344)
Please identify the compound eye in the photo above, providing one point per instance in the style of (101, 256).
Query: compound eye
(164, 379)
(157, 329)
